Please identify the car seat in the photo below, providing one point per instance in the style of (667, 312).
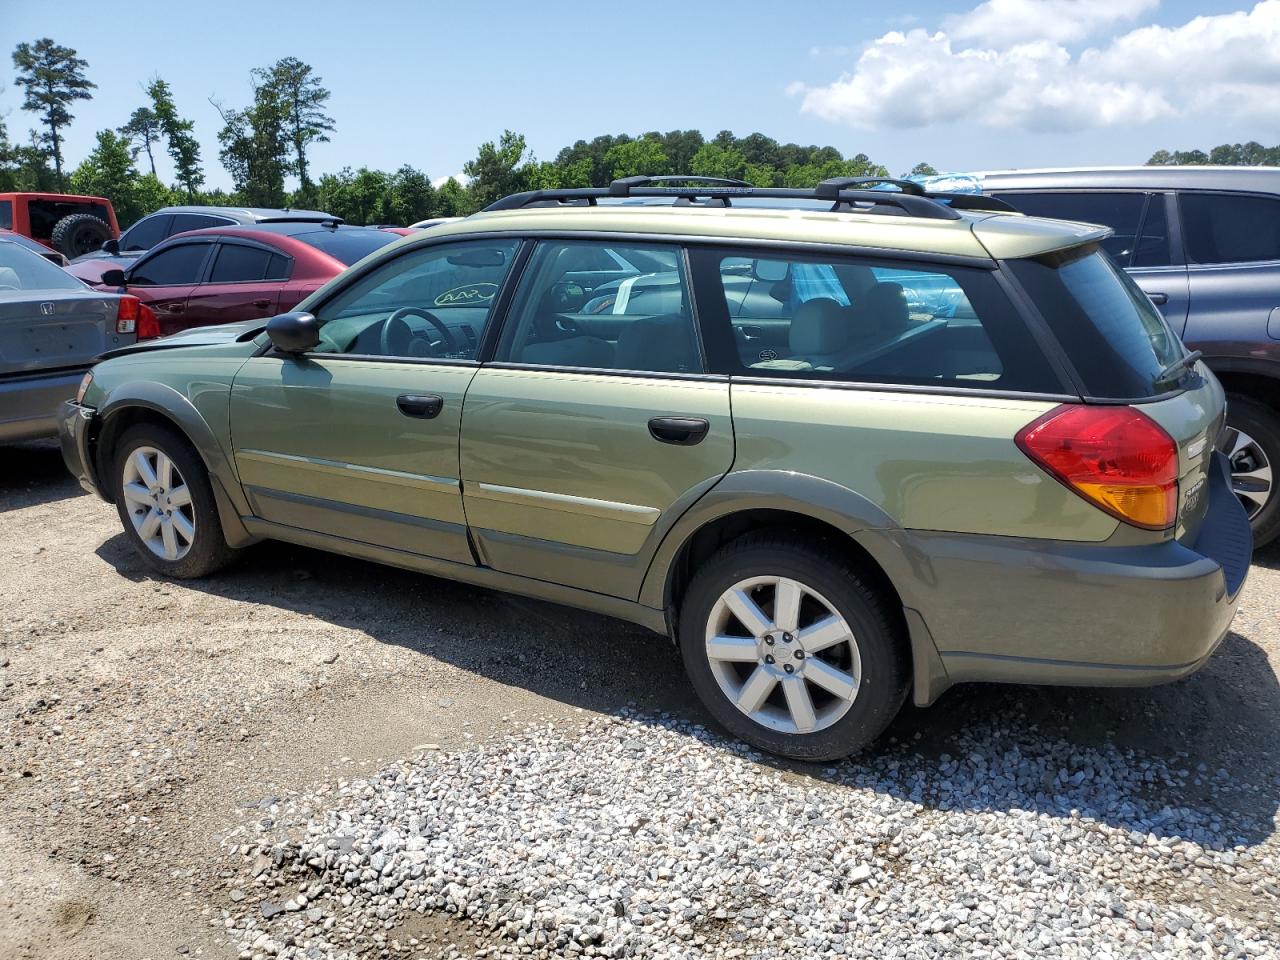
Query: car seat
(552, 342)
(658, 344)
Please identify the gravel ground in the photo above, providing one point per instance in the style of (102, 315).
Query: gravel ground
(316, 757)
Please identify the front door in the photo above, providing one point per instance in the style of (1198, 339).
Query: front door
(359, 438)
(596, 426)
(165, 279)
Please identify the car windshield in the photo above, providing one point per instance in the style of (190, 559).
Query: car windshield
(1113, 334)
(347, 246)
(20, 269)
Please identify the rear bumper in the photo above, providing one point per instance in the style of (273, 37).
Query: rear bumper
(1027, 611)
(29, 405)
(75, 424)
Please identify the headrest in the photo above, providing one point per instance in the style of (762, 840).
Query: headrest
(819, 326)
(883, 307)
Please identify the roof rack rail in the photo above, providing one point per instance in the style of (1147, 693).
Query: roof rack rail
(622, 187)
(829, 189)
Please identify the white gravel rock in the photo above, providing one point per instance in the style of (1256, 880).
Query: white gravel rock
(645, 837)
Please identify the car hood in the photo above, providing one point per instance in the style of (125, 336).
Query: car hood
(196, 337)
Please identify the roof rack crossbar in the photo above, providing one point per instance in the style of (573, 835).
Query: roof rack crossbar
(828, 189)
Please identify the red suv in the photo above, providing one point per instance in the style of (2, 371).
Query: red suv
(230, 274)
(70, 224)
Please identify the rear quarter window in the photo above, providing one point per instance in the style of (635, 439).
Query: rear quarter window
(1227, 228)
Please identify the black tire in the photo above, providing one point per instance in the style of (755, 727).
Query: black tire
(875, 624)
(208, 551)
(79, 233)
(1262, 424)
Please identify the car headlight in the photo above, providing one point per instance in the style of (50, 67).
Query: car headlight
(84, 386)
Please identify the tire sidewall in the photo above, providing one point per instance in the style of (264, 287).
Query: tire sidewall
(1263, 425)
(66, 230)
(209, 550)
(882, 687)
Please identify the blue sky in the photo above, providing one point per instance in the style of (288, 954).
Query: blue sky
(962, 85)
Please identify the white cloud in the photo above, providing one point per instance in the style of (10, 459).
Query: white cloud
(1228, 64)
(462, 179)
(1004, 22)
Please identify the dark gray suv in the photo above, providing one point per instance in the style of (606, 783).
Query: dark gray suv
(1204, 243)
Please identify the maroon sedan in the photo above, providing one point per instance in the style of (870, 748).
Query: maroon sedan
(229, 274)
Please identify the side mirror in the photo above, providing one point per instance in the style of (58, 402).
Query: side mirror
(111, 246)
(294, 332)
(113, 278)
(770, 271)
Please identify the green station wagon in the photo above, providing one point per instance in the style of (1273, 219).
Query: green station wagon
(840, 444)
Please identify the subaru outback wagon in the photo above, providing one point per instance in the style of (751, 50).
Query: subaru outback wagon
(857, 444)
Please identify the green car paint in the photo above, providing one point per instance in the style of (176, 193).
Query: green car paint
(548, 482)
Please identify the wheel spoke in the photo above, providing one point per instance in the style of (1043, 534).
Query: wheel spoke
(834, 681)
(800, 704)
(745, 609)
(164, 470)
(1237, 441)
(786, 605)
(733, 649)
(756, 690)
(825, 633)
(170, 538)
(184, 527)
(137, 493)
(143, 466)
(180, 497)
(150, 524)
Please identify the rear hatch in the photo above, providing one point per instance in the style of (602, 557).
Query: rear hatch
(47, 330)
(1122, 352)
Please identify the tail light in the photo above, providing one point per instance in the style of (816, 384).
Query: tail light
(1115, 457)
(127, 314)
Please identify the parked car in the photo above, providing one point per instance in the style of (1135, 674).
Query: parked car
(168, 221)
(35, 246)
(432, 222)
(228, 274)
(830, 492)
(1204, 243)
(69, 224)
(52, 327)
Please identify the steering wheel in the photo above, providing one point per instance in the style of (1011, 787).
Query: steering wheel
(396, 335)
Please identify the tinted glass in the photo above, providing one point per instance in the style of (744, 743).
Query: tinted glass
(1113, 335)
(173, 266)
(20, 269)
(1119, 211)
(146, 233)
(1153, 246)
(236, 263)
(603, 306)
(869, 321)
(182, 222)
(427, 303)
(348, 246)
(6, 214)
(1220, 228)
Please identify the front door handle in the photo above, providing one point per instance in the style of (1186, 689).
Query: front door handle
(262, 304)
(1159, 299)
(682, 431)
(425, 406)
(173, 307)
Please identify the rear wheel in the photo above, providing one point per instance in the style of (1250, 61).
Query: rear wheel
(166, 503)
(1253, 447)
(79, 233)
(791, 650)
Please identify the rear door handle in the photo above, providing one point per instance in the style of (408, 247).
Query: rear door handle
(425, 406)
(1159, 299)
(682, 431)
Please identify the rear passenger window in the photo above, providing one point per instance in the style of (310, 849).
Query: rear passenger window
(867, 321)
(1122, 212)
(1221, 228)
(236, 264)
(603, 306)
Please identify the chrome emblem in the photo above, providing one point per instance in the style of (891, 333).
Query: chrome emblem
(46, 309)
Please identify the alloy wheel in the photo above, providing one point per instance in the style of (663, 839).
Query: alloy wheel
(159, 503)
(783, 654)
(1251, 475)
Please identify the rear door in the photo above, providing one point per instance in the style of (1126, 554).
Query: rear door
(586, 438)
(243, 283)
(1143, 243)
(165, 279)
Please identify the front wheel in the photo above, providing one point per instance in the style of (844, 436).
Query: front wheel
(166, 503)
(791, 650)
(1252, 445)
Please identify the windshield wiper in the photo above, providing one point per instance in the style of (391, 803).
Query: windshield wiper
(1184, 362)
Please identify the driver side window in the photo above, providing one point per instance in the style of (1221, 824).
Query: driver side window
(429, 303)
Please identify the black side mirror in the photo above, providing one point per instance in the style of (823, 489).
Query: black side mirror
(113, 278)
(111, 246)
(294, 332)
